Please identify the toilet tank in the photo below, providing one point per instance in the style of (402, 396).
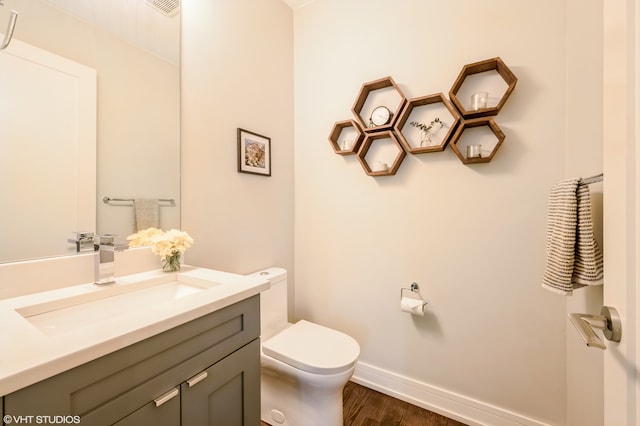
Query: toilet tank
(273, 302)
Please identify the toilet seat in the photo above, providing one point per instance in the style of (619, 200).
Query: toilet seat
(313, 348)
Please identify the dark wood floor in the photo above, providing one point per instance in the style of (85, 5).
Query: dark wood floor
(366, 407)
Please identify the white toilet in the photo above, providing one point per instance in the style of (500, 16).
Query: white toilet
(304, 365)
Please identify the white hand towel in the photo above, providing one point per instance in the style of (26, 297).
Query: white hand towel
(147, 213)
(574, 258)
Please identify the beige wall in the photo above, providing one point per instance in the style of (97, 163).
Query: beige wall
(472, 237)
(237, 72)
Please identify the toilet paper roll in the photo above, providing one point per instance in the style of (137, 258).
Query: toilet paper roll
(412, 306)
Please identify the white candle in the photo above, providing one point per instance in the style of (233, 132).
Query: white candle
(479, 100)
(379, 166)
(474, 151)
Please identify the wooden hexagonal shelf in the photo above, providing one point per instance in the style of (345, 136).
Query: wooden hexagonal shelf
(378, 151)
(378, 93)
(490, 76)
(346, 137)
(492, 137)
(426, 124)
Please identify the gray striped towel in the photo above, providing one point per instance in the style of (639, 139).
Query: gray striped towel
(574, 258)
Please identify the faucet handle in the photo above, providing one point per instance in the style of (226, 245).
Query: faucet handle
(81, 235)
(84, 241)
(105, 239)
(108, 242)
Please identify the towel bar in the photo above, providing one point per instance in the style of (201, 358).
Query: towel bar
(593, 179)
(608, 321)
(106, 200)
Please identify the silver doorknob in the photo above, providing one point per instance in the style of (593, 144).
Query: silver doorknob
(608, 321)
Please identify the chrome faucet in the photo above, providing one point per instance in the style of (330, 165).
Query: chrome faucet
(105, 264)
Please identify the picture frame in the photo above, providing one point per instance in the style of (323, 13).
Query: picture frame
(254, 153)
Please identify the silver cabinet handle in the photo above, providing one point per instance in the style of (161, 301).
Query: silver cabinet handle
(608, 321)
(197, 379)
(167, 396)
(9, 33)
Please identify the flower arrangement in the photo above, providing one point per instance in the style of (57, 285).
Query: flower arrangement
(168, 245)
(426, 130)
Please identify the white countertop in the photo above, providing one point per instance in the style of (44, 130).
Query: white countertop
(29, 355)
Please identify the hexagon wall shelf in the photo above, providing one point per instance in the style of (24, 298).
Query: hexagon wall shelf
(381, 148)
(477, 122)
(346, 137)
(373, 138)
(487, 66)
(382, 92)
(424, 108)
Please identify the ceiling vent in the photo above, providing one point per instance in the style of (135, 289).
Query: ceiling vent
(167, 7)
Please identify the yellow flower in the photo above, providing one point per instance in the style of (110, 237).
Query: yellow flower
(164, 244)
(146, 237)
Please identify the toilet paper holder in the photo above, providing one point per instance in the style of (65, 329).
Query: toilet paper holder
(414, 288)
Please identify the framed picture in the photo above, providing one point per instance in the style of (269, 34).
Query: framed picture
(254, 153)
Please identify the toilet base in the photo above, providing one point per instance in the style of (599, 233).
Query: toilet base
(292, 397)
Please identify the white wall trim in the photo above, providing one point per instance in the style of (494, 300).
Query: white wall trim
(432, 398)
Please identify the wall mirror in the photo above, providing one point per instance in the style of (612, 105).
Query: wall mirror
(133, 47)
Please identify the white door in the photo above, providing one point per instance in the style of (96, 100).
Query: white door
(621, 158)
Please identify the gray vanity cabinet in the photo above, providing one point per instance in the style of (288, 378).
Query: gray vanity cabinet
(204, 372)
(222, 398)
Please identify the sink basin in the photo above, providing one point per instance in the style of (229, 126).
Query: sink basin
(102, 304)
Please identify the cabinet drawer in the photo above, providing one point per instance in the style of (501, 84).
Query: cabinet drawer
(167, 414)
(123, 381)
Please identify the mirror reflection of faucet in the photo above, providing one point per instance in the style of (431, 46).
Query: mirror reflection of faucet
(105, 265)
(83, 241)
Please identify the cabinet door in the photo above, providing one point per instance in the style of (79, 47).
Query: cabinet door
(227, 393)
(162, 411)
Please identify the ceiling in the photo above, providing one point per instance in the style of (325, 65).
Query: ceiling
(296, 4)
(135, 21)
(138, 22)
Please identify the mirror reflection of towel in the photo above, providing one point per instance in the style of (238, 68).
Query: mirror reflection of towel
(147, 213)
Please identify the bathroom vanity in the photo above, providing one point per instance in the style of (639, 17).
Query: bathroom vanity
(188, 354)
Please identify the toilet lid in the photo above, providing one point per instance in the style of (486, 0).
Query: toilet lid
(313, 348)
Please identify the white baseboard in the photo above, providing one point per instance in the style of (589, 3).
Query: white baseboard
(454, 406)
